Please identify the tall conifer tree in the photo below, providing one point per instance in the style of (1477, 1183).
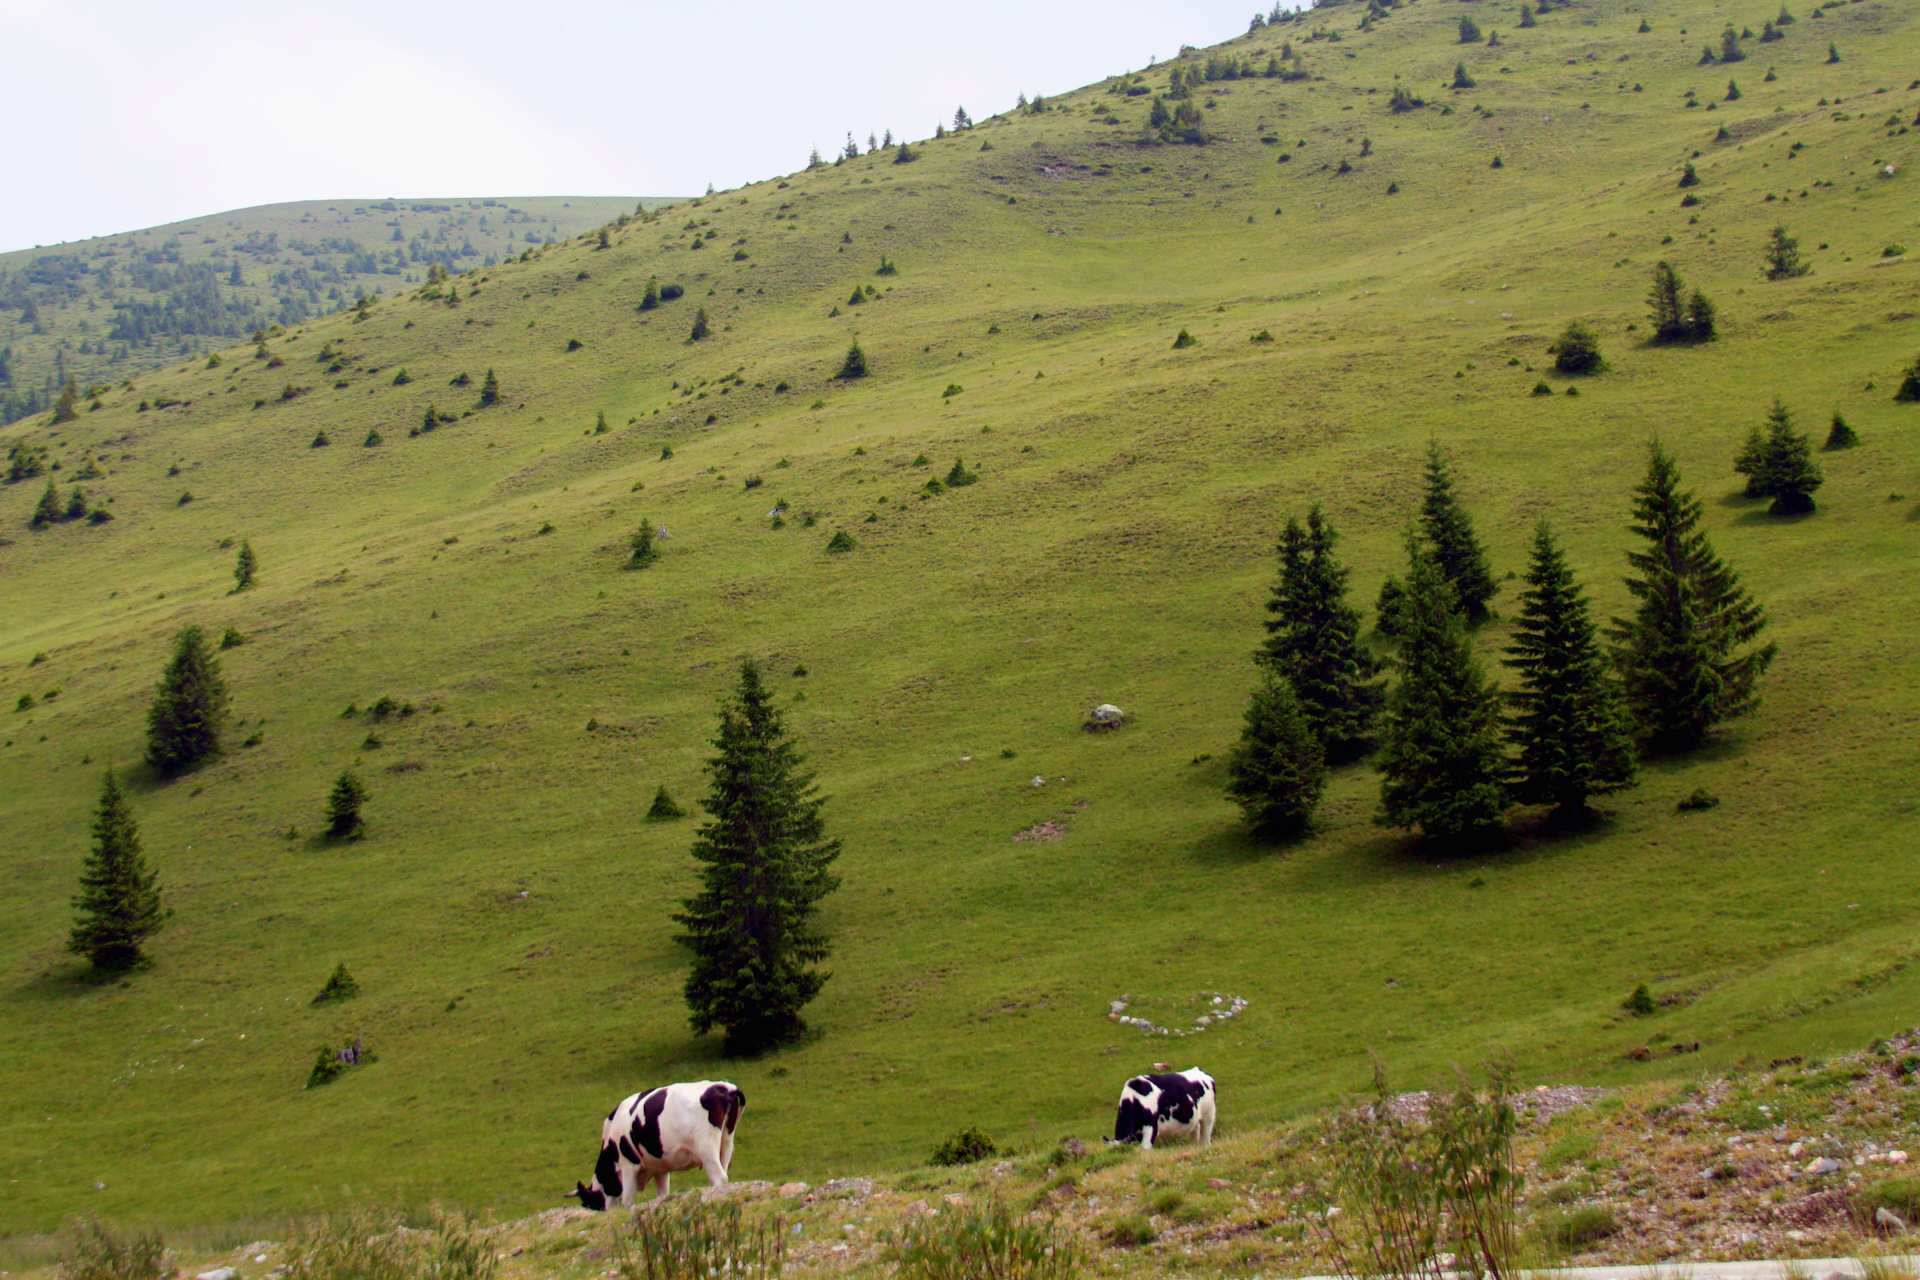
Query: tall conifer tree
(118, 906)
(753, 928)
(1449, 530)
(1784, 467)
(1686, 656)
(1440, 758)
(1570, 728)
(1314, 640)
(1278, 772)
(189, 708)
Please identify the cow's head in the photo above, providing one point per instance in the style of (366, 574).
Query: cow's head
(589, 1197)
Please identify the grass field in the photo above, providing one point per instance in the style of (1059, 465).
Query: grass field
(508, 915)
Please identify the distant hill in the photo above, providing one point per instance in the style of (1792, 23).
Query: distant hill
(104, 309)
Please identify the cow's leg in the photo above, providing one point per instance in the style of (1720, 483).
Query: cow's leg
(716, 1170)
(665, 1181)
(1206, 1131)
(1146, 1138)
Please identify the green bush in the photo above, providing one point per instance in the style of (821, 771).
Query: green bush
(1910, 383)
(1640, 1002)
(1577, 350)
(1185, 340)
(1165, 1200)
(965, 1147)
(1131, 1231)
(1541, 389)
(1697, 800)
(841, 541)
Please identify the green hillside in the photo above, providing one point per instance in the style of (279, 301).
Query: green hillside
(113, 307)
(507, 916)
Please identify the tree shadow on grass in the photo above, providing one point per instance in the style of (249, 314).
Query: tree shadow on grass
(70, 980)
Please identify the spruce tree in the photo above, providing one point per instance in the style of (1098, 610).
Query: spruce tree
(1700, 316)
(1669, 315)
(244, 568)
(1783, 256)
(67, 407)
(118, 906)
(189, 708)
(1440, 758)
(856, 363)
(1841, 434)
(1571, 733)
(700, 326)
(1313, 640)
(48, 509)
(1909, 389)
(490, 390)
(1449, 530)
(753, 928)
(651, 298)
(1684, 656)
(1278, 772)
(1786, 471)
(343, 807)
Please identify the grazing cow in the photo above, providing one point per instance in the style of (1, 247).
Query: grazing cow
(1168, 1104)
(653, 1135)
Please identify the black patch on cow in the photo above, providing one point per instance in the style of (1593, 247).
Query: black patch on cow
(646, 1125)
(627, 1151)
(722, 1103)
(606, 1175)
(588, 1198)
(1132, 1119)
(1141, 1085)
(1177, 1096)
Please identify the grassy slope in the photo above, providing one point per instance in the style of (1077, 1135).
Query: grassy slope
(66, 323)
(1124, 558)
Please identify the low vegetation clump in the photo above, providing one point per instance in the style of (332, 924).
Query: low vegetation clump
(92, 1251)
(340, 985)
(969, 1146)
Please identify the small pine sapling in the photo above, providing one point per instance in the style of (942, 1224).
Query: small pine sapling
(1909, 390)
(340, 985)
(1841, 435)
(344, 821)
(664, 808)
(642, 548)
(855, 365)
(841, 541)
(1183, 340)
(245, 568)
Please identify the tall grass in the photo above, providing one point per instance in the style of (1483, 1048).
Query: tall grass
(688, 1239)
(990, 1242)
(93, 1252)
(368, 1245)
(1404, 1190)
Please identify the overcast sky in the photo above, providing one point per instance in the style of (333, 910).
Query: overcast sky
(130, 113)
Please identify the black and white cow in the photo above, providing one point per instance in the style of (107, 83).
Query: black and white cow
(652, 1135)
(1169, 1104)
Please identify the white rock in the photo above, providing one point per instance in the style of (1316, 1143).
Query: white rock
(1107, 713)
(1822, 1165)
(1889, 1219)
(218, 1273)
(1796, 1148)
(1039, 781)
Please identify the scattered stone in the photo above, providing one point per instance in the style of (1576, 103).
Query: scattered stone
(1074, 1147)
(218, 1273)
(917, 1209)
(1105, 716)
(516, 1251)
(793, 1188)
(1823, 1165)
(1218, 1184)
(1890, 1220)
